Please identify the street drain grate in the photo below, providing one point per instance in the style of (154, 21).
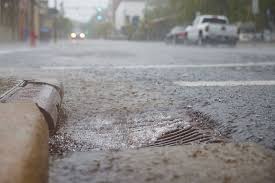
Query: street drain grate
(185, 136)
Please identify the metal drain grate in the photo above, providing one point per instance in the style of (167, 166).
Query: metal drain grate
(185, 136)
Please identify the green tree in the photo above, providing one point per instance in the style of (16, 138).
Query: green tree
(64, 26)
(98, 29)
(236, 10)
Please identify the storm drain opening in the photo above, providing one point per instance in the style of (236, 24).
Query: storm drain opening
(186, 136)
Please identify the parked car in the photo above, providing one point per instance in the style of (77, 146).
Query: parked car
(177, 35)
(248, 32)
(246, 36)
(212, 29)
(267, 36)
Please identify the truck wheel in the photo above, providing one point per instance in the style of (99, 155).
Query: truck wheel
(167, 42)
(200, 40)
(175, 41)
(233, 43)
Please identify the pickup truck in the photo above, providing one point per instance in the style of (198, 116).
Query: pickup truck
(212, 29)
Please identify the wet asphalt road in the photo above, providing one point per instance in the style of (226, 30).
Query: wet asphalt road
(121, 95)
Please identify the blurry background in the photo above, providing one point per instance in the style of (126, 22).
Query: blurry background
(47, 20)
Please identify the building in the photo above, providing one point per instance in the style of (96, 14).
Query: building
(20, 18)
(45, 22)
(9, 10)
(113, 4)
(23, 19)
(129, 12)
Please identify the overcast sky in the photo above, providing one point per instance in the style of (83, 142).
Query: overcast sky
(80, 10)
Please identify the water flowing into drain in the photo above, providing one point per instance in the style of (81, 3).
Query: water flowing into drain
(185, 136)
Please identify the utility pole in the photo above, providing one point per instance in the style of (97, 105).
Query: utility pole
(55, 22)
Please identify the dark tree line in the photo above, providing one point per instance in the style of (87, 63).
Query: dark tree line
(184, 11)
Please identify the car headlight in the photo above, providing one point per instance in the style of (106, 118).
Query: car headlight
(82, 35)
(73, 35)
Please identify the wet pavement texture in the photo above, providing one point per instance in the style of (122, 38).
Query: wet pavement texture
(211, 163)
(6, 84)
(122, 95)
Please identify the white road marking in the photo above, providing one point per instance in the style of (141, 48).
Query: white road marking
(65, 67)
(260, 64)
(249, 64)
(225, 83)
(3, 52)
(17, 50)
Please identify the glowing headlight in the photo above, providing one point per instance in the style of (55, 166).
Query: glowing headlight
(82, 35)
(73, 35)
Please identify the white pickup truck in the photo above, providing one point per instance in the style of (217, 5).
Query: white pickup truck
(212, 29)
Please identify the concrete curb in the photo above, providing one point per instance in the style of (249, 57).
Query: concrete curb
(24, 148)
(47, 94)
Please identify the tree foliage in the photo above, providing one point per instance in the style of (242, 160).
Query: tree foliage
(64, 26)
(99, 28)
(236, 10)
